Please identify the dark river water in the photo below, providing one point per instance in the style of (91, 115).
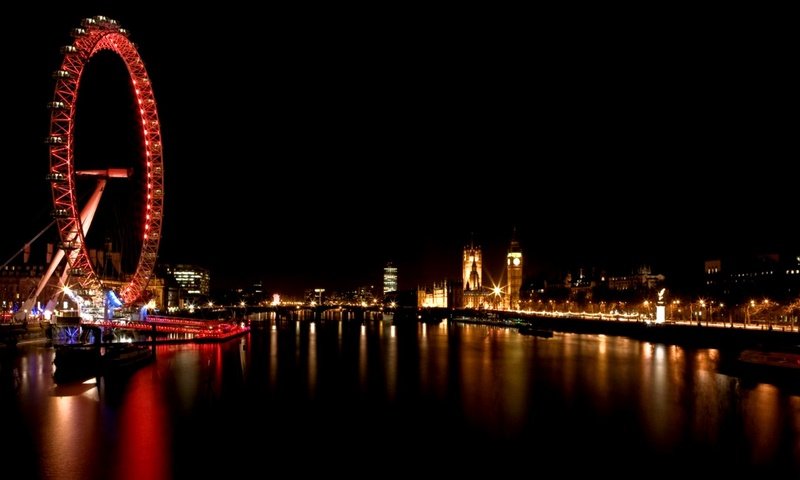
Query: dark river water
(364, 400)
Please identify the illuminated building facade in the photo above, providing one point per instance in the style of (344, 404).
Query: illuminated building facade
(17, 282)
(434, 296)
(472, 268)
(642, 280)
(193, 281)
(389, 278)
(514, 266)
(472, 281)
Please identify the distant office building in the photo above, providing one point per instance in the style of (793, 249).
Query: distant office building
(193, 280)
(362, 295)
(743, 278)
(389, 278)
(514, 266)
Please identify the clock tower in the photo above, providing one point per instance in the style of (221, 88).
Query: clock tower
(514, 265)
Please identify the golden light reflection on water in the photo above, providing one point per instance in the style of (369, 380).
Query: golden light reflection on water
(390, 365)
(496, 372)
(362, 357)
(273, 355)
(602, 374)
(658, 410)
(705, 394)
(72, 415)
(425, 367)
(494, 378)
(569, 365)
(496, 366)
(312, 359)
(794, 405)
(763, 427)
(433, 363)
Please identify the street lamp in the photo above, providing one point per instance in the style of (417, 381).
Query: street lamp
(700, 313)
(766, 312)
(497, 291)
(672, 310)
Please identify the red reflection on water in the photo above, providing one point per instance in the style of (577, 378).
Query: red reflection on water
(144, 433)
(216, 350)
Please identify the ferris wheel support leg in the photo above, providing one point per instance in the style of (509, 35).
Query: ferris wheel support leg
(87, 215)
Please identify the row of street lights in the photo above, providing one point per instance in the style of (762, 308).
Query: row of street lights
(700, 310)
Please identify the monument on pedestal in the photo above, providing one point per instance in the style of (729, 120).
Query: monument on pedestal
(661, 316)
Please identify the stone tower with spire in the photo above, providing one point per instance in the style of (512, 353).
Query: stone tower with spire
(473, 265)
(472, 268)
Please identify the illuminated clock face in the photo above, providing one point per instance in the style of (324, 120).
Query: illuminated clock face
(516, 261)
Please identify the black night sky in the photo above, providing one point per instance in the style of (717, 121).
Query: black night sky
(308, 147)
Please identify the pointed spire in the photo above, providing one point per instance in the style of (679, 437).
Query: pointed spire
(514, 243)
(473, 275)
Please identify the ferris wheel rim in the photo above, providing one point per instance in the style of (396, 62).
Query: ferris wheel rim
(98, 34)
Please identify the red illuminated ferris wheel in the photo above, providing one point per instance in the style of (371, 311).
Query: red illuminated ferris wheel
(99, 34)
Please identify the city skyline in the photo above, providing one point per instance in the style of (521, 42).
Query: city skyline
(399, 150)
(561, 236)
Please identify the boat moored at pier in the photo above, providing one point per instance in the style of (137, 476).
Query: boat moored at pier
(779, 360)
(77, 362)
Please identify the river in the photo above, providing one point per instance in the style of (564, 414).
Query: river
(373, 399)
